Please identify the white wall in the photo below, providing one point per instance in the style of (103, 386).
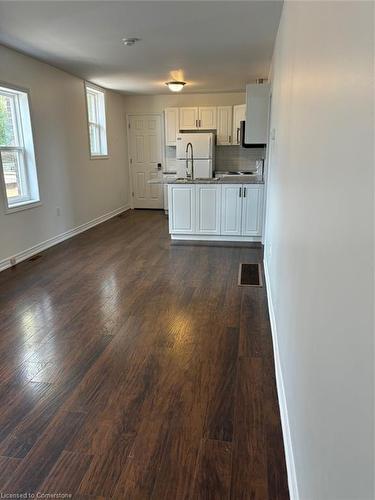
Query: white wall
(157, 103)
(319, 242)
(82, 188)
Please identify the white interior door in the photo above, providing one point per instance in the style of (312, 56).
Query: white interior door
(145, 160)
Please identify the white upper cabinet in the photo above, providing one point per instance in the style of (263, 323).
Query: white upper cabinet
(189, 118)
(239, 112)
(208, 209)
(193, 118)
(207, 117)
(171, 123)
(257, 105)
(252, 205)
(224, 119)
(224, 125)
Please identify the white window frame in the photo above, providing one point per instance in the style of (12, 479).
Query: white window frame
(99, 123)
(24, 148)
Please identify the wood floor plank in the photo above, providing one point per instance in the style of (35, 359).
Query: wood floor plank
(213, 476)
(32, 471)
(178, 461)
(133, 368)
(249, 447)
(67, 473)
(138, 477)
(221, 407)
(253, 323)
(14, 411)
(105, 469)
(7, 469)
(32, 425)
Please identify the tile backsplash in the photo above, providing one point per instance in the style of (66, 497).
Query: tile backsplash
(237, 158)
(227, 157)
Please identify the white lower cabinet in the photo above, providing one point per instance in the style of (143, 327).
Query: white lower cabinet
(231, 209)
(252, 205)
(181, 209)
(208, 208)
(223, 212)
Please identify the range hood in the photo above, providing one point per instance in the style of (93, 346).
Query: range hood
(254, 130)
(243, 142)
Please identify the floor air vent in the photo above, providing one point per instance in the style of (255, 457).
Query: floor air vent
(250, 275)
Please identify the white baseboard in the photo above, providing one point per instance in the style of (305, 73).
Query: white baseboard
(26, 254)
(289, 456)
(208, 237)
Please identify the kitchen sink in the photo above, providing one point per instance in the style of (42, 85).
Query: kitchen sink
(184, 180)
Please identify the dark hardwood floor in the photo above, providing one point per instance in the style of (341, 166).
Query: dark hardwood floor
(135, 369)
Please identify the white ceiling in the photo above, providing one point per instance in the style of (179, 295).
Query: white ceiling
(214, 46)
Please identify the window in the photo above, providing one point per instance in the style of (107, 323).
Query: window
(97, 121)
(17, 158)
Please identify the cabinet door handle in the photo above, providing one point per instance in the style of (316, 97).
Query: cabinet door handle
(244, 192)
(240, 192)
(237, 138)
(230, 139)
(196, 123)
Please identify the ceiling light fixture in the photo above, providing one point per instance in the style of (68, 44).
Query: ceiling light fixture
(175, 86)
(130, 41)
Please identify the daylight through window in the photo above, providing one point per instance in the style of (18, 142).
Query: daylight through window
(17, 149)
(97, 121)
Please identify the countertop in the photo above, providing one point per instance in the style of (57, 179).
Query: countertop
(240, 179)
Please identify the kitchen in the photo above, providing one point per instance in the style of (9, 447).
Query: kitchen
(211, 172)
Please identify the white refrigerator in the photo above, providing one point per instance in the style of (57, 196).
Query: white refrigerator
(203, 150)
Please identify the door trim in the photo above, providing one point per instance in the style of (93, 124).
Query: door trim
(127, 118)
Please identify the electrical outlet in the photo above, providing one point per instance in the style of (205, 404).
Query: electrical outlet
(13, 261)
(58, 211)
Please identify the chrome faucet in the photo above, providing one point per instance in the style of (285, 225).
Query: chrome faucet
(187, 161)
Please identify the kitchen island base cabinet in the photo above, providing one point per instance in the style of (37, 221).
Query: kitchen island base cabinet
(229, 212)
(207, 209)
(231, 209)
(181, 209)
(252, 204)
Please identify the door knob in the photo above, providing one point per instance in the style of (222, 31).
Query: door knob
(159, 166)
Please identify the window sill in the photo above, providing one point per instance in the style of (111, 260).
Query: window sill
(25, 205)
(99, 157)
